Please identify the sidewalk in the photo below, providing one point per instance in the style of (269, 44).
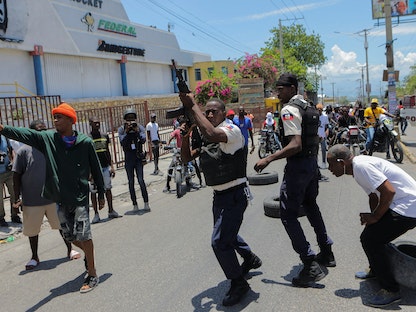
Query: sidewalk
(120, 189)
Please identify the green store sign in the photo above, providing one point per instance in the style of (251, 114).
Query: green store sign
(117, 28)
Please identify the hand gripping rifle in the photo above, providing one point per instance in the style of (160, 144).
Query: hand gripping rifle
(183, 88)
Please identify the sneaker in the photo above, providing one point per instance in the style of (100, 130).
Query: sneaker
(366, 274)
(96, 218)
(113, 214)
(310, 273)
(3, 223)
(135, 208)
(384, 298)
(166, 189)
(89, 284)
(16, 219)
(146, 207)
(253, 262)
(326, 259)
(239, 287)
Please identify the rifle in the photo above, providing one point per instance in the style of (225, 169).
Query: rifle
(183, 88)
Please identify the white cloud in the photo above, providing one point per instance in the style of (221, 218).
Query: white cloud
(403, 62)
(341, 63)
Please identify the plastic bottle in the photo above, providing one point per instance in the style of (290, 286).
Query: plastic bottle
(10, 239)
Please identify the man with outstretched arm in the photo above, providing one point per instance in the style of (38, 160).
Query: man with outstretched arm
(70, 159)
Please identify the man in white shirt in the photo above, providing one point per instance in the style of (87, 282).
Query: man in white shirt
(152, 130)
(392, 200)
(322, 132)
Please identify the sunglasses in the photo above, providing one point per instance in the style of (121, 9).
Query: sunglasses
(213, 111)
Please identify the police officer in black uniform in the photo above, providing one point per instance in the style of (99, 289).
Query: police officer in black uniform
(298, 127)
(222, 161)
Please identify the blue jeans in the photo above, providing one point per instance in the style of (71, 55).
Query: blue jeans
(370, 136)
(134, 164)
(300, 187)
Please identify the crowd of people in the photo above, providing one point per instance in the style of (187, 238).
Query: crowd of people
(71, 168)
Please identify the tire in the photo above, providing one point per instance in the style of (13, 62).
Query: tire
(271, 207)
(263, 178)
(397, 150)
(262, 151)
(355, 150)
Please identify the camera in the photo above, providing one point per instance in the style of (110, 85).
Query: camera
(130, 126)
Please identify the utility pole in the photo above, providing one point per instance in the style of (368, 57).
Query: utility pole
(333, 93)
(362, 78)
(368, 86)
(392, 101)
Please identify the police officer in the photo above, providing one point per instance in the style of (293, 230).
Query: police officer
(222, 161)
(298, 128)
(132, 137)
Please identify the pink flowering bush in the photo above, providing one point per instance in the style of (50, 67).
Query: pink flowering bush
(254, 66)
(216, 87)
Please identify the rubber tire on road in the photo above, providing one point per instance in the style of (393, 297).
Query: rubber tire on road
(271, 207)
(263, 178)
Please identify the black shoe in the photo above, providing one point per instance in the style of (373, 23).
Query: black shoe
(310, 273)
(326, 259)
(239, 287)
(253, 262)
(16, 219)
(3, 223)
(366, 274)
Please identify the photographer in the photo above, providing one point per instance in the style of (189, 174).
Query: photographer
(132, 138)
(6, 178)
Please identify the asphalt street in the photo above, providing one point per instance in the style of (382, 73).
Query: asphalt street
(162, 260)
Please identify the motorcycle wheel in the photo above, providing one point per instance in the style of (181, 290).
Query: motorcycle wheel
(397, 150)
(262, 151)
(355, 150)
(178, 181)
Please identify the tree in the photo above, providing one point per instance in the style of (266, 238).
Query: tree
(300, 51)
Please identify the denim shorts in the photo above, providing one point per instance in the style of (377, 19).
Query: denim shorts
(75, 222)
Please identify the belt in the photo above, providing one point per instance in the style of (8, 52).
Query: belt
(231, 189)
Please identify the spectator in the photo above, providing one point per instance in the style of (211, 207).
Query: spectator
(71, 158)
(132, 138)
(152, 129)
(29, 168)
(101, 143)
(246, 127)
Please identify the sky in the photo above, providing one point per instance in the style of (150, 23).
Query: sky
(228, 29)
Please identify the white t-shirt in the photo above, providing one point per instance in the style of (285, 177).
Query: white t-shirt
(370, 172)
(323, 123)
(235, 141)
(153, 127)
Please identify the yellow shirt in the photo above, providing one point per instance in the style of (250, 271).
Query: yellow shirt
(370, 115)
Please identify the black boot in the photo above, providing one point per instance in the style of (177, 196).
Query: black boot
(239, 287)
(252, 262)
(326, 257)
(311, 272)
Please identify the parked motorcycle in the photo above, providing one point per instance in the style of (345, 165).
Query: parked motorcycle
(386, 137)
(267, 143)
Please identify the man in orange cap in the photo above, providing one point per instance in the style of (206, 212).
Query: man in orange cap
(70, 158)
(230, 115)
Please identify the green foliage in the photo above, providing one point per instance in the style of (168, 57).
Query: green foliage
(410, 82)
(300, 51)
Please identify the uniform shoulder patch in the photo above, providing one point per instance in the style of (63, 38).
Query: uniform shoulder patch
(287, 116)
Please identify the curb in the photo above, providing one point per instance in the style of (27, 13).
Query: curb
(408, 153)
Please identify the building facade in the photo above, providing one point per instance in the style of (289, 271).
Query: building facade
(86, 49)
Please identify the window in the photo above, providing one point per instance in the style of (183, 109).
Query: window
(224, 70)
(197, 74)
(210, 71)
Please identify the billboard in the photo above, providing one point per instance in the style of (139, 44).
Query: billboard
(398, 8)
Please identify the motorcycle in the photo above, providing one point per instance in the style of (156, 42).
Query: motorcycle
(354, 138)
(385, 137)
(180, 172)
(267, 143)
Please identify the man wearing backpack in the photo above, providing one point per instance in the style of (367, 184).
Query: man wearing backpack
(298, 128)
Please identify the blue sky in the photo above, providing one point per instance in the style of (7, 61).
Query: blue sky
(229, 28)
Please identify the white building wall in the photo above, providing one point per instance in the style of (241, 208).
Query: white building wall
(16, 66)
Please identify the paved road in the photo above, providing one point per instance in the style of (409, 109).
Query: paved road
(162, 260)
